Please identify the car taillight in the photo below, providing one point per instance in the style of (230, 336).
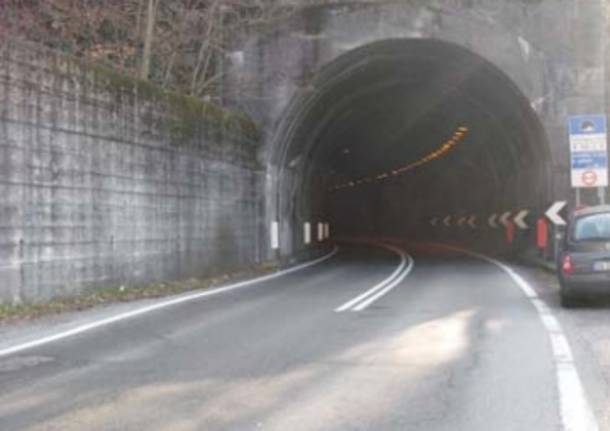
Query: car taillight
(566, 264)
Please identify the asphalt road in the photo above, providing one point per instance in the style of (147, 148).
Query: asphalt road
(456, 345)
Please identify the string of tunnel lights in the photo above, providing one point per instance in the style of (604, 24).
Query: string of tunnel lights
(441, 151)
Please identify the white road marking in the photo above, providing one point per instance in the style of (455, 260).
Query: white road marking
(147, 309)
(365, 299)
(576, 412)
(385, 290)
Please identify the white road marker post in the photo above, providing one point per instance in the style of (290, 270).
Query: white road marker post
(275, 235)
(307, 232)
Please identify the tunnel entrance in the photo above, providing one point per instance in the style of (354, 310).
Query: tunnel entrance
(395, 132)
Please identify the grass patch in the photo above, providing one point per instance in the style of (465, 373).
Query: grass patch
(115, 294)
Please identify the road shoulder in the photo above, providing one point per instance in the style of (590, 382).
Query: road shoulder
(587, 329)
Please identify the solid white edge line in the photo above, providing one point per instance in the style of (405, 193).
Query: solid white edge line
(403, 261)
(576, 412)
(143, 310)
(387, 289)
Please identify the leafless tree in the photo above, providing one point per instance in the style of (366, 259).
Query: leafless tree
(151, 19)
(178, 44)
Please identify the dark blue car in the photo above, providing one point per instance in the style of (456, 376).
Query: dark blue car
(583, 266)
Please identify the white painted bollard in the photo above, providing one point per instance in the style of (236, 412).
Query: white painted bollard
(307, 232)
(275, 235)
(320, 232)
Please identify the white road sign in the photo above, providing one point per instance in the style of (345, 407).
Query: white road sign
(447, 221)
(553, 213)
(504, 218)
(472, 221)
(491, 221)
(461, 221)
(588, 151)
(520, 219)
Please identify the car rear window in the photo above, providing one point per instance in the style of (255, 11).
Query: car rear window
(592, 227)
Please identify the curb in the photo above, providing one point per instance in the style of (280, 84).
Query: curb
(537, 263)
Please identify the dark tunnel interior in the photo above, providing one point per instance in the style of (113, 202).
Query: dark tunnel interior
(399, 131)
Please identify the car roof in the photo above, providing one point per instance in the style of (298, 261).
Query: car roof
(597, 209)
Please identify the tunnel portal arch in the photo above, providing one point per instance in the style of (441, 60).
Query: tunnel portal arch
(389, 104)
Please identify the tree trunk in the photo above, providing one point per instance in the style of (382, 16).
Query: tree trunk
(148, 38)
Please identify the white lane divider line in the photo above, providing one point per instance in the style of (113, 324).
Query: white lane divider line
(158, 306)
(365, 299)
(576, 412)
(349, 304)
(386, 289)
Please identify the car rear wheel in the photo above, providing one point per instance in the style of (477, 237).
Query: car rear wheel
(568, 298)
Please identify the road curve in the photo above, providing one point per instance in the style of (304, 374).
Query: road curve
(454, 345)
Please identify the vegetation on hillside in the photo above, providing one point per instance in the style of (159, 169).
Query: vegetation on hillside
(176, 44)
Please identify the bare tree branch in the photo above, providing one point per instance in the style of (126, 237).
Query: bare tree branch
(179, 44)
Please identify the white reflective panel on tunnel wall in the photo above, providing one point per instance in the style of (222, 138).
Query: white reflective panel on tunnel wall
(275, 235)
(307, 233)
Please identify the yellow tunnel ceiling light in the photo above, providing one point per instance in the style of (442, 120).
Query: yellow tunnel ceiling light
(442, 150)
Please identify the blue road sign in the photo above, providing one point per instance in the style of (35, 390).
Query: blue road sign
(589, 159)
(587, 124)
(588, 151)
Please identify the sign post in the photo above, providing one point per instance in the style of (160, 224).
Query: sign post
(589, 154)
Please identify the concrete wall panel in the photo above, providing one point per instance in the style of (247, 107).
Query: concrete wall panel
(107, 181)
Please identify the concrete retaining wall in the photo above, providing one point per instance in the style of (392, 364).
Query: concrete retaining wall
(105, 180)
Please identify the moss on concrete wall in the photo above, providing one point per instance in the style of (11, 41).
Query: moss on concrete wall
(111, 180)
